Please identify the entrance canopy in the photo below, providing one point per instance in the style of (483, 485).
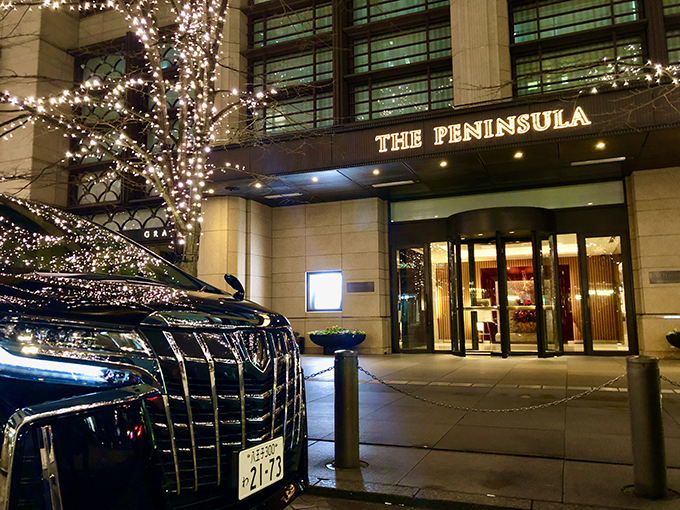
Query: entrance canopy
(518, 145)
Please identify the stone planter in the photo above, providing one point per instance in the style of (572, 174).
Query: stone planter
(332, 343)
(527, 327)
(674, 340)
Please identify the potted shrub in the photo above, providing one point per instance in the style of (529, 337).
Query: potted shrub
(335, 337)
(673, 337)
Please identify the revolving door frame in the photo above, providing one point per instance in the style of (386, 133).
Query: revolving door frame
(501, 225)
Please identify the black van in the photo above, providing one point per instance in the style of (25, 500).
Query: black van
(126, 383)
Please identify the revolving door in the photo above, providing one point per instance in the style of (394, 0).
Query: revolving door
(505, 288)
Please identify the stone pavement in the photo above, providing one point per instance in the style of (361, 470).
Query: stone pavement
(569, 456)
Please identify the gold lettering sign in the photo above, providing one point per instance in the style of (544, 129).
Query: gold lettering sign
(484, 129)
(400, 141)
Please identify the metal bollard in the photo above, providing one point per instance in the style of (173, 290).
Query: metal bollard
(646, 423)
(346, 410)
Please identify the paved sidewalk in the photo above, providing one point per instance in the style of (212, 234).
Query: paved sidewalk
(577, 453)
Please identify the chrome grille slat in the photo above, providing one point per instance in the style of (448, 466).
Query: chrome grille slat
(287, 398)
(171, 431)
(296, 403)
(213, 391)
(218, 404)
(275, 378)
(185, 386)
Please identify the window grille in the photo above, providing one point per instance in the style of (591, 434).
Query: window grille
(290, 26)
(296, 114)
(414, 94)
(368, 11)
(673, 38)
(671, 7)
(401, 48)
(578, 66)
(296, 69)
(539, 20)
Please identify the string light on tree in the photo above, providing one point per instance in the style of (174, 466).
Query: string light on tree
(179, 121)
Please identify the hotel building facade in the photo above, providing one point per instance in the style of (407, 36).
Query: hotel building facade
(472, 177)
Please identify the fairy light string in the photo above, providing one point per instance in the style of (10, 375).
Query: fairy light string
(98, 115)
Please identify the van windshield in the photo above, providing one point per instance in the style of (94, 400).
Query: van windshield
(35, 238)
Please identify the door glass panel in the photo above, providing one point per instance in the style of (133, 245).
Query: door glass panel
(570, 293)
(550, 325)
(480, 297)
(411, 305)
(521, 296)
(606, 299)
(441, 301)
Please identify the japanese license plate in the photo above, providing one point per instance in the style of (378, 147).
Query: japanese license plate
(259, 467)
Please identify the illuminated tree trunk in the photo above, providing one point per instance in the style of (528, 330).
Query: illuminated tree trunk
(188, 255)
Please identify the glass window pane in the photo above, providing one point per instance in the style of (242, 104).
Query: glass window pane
(480, 297)
(110, 67)
(521, 296)
(606, 296)
(288, 26)
(407, 95)
(441, 300)
(570, 293)
(552, 18)
(575, 67)
(671, 7)
(673, 46)
(411, 304)
(299, 113)
(549, 301)
(402, 48)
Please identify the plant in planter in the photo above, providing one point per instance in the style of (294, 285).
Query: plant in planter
(335, 337)
(524, 321)
(673, 337)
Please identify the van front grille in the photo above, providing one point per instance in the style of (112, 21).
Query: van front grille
(224, 391)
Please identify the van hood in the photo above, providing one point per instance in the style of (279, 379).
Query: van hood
(126, 301)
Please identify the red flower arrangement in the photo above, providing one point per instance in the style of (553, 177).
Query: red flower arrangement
(522, 316)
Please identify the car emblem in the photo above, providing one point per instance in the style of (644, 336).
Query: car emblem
(257, 348)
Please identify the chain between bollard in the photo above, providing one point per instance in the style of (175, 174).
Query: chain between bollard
(316, 374)
(493, 411)
(664, 378)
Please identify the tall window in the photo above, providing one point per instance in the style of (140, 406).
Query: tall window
(671, 11)
(565, 44)
(291, 52)
(120, 201)
(368, 11)
(402, 66)
(379, 58)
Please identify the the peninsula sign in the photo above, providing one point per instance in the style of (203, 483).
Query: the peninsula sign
(484, 129)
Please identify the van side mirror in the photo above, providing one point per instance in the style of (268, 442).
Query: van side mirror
(233, 282)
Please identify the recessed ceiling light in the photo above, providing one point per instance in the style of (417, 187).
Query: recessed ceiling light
(519, 154)
(443, 164)
(590, 203)
(258, 184)
(315, 179)
(511, 232)
(600, 145)
(480, 234)
(394, 183)
(376, 171)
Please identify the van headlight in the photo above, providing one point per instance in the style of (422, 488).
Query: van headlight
(28, 350)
